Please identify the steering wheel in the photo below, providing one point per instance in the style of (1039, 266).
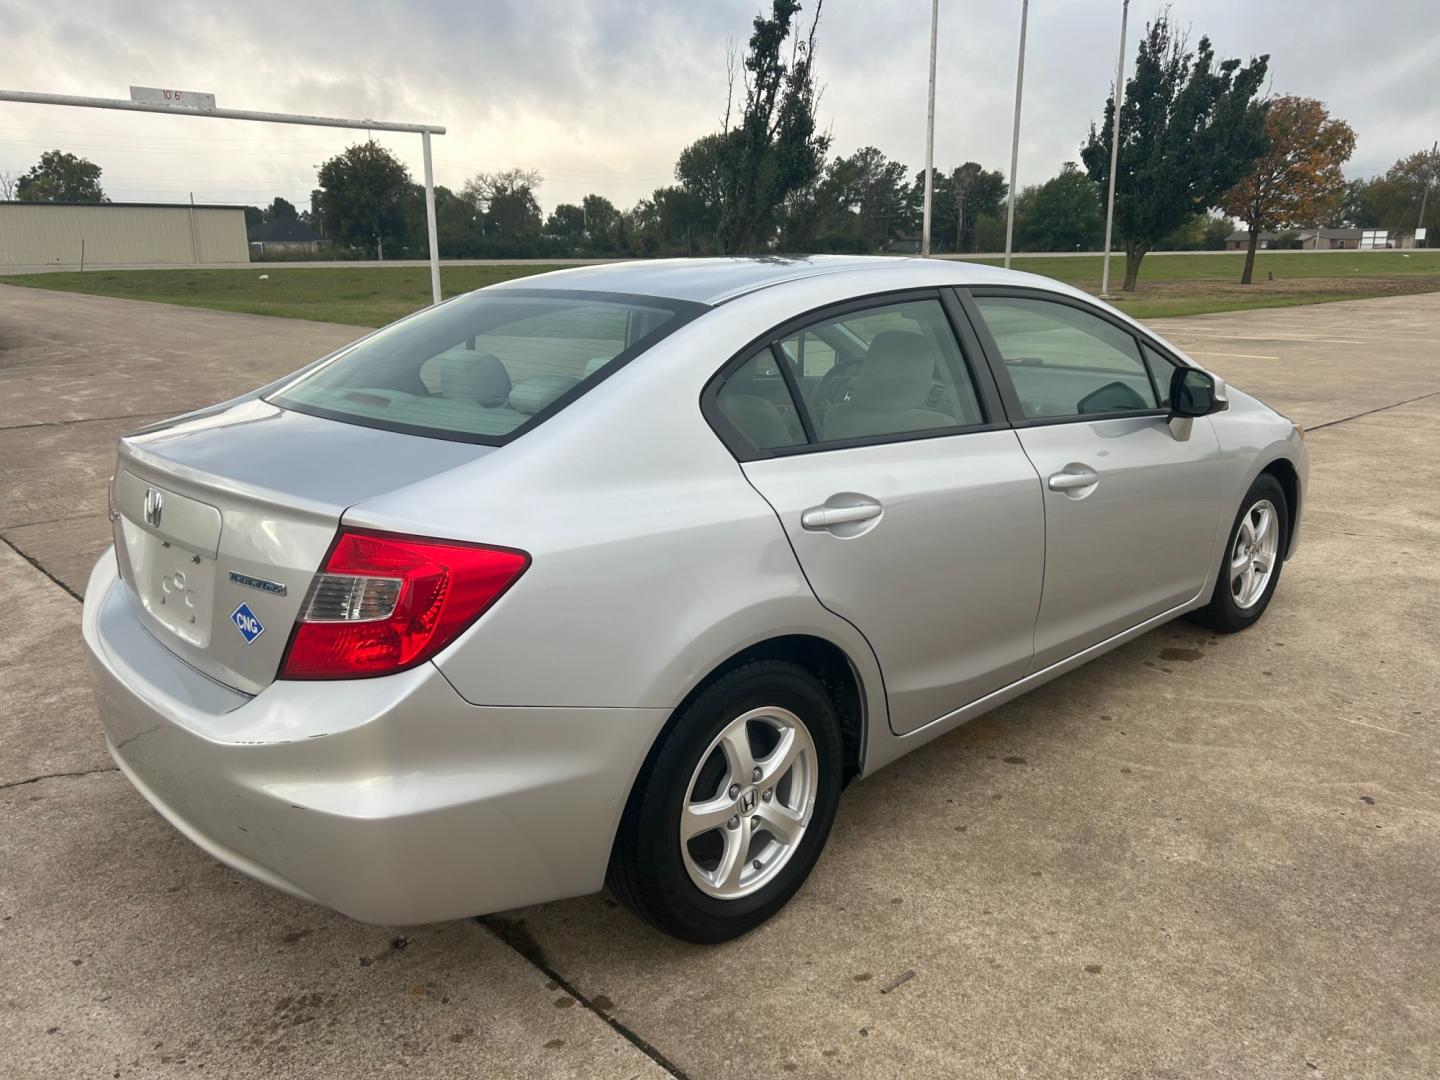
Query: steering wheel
(834, 385)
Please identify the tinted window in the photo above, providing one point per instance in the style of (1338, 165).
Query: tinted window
(891, 370)
(1063, 361)
(483, 365)
(756, 400)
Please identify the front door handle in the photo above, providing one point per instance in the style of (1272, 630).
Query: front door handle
(1072, 478)
(819, 518)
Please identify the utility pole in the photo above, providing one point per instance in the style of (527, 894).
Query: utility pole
(1015, 133)
(930, 134)
(1119, 99)
(1434, 164)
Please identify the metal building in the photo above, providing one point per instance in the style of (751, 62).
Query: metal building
(121, 234)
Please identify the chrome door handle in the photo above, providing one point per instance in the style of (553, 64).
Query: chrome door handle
(1069, 481)
(825, 517)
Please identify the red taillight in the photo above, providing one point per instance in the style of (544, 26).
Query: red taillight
(384, 603)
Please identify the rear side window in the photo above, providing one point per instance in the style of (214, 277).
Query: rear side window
(757, 401)
(484, 366)
(1063, 361)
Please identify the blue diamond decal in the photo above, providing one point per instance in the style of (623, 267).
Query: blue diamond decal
(247, 623)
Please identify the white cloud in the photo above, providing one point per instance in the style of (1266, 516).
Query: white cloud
(602, 96)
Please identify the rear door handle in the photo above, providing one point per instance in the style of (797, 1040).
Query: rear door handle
(1072, 478)
(819, 518)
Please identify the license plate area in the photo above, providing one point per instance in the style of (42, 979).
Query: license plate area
(175, 585)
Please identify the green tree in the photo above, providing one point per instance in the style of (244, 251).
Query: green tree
(604, 227)
(960, 200)
(506, 201)
(362, 197)
(749, 172)
(1393, 201)
(1189, 130)
(63, 178)
(1298, 179)
(862, 203)
(1062, 214)
(281, 209)
(567, 224)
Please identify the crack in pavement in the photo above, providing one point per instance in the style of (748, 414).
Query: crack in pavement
(38, 565)
(78, 420)
(1371, 412)
(515, 937)
(59, 775)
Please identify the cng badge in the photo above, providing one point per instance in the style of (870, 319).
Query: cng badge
(246, 622)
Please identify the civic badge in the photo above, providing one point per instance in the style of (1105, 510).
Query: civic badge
(247, 623)
(154, 507)
(275, 588)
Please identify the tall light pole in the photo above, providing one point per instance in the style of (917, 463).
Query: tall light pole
(930, 133)
(1114, 148)
(1434, 164)
(1015, 133)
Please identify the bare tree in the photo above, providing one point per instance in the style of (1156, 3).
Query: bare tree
(7, 185)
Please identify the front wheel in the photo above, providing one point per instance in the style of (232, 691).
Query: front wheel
(727, 820)
(1250, 567)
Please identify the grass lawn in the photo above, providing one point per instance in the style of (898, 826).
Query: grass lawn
(373, 296)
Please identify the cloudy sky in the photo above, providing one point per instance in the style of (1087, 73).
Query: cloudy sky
(600, 95)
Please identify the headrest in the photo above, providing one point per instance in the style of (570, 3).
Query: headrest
(532, 395)
(473, 376)
(758, 419)
(897, 373)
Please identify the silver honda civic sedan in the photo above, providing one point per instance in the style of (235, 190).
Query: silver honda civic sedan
(617, 575)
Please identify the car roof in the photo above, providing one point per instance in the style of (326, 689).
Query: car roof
(716, 280)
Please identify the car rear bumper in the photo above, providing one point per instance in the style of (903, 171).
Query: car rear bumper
(391, 800)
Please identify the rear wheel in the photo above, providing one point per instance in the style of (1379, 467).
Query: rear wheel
(727, 819)
(1254, 555)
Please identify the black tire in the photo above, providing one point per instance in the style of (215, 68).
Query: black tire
(647, 871)
(1222, 614)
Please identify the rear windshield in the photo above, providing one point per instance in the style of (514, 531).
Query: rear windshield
(482, 367)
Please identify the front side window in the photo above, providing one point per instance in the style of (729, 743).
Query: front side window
(483, 366)
(1063, 361)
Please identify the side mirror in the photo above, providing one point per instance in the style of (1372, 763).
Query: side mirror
(1193, 393)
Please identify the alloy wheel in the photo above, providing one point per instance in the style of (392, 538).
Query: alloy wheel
(748, 802)
(1254, 554)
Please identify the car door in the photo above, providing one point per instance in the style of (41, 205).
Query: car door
(909, 503)
(1131, 496)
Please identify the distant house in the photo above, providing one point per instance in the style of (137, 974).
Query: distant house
(1328, 239)
(283, 236)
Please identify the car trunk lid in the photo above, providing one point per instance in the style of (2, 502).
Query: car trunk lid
(222, 520)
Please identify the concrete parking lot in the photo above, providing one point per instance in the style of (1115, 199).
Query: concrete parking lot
(1197, 856)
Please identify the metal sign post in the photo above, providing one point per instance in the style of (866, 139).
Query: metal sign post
(190, 103)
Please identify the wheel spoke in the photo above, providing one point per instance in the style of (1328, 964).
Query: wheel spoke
(1264, 561)
(732, 863)
(1247, 531)
(778, 762)
(780, 821)
(701, 817)
(1262, 529)
(1247, 579)
(1238, 561)
(739, 758)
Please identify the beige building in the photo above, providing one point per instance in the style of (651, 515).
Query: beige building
(121, 234)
